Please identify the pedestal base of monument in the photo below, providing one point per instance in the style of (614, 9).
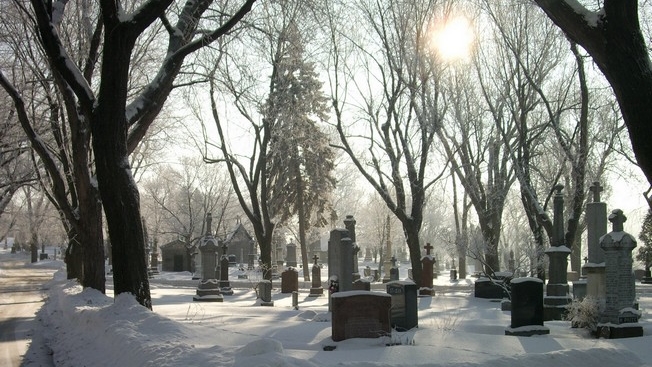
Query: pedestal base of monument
(208, 291)
(646, 280)
(528, 330)
(316, 292)
(554, 307)
(225, 288)
(613, 331)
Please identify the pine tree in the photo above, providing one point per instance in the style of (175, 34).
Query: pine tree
(644, 254)
(301, 161)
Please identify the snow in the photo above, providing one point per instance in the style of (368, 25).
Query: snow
(526, 279)
(87, 328)
(591, 17)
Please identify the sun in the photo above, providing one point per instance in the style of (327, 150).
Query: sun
(453, 39)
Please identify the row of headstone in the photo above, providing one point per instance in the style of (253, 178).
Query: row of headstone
(609, 277)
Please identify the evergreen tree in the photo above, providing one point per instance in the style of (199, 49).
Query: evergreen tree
(301, 161)
(644, 254)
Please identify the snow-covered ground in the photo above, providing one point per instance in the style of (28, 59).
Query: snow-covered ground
(87, 328)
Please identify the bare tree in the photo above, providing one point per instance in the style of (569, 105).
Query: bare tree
(389, 132)
(117, 119)
(612, 36)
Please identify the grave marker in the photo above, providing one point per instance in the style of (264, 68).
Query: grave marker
(427, 265)
(619, 318)
(289, 280)
(527, 308)
(404, 315)
(360, 314)
(208, 289)
(316, 290)
(557, 296)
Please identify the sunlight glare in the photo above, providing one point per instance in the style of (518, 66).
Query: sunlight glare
(454, 39)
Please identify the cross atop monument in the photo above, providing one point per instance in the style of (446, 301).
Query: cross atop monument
(315, 258)
(596, 189)
(224, 247)
(393, 261)
(617, 218)
(428, 247)
(209, 223)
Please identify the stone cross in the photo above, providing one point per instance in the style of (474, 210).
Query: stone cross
(315, 258)
(596, 189)
(209, 223)
(393, 261)
(224, 247)
(428, 247)
(617, 218)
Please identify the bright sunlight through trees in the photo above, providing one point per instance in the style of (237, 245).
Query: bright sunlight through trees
(453, 39)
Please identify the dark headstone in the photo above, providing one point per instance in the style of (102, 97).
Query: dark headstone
(359, 314)
(316, 290)
(453, 275)
(265, 293)
(208, 289)
(427, 273)
(361, 285)
(393, 272)
(289, 281)
(404, 314)
(527, 307)
(490, 288)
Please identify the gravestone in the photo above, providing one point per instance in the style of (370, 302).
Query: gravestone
(265, 293)
(490, 288)
(316, 289)
(367, 271)
(153, 262)
(208, 289)
(579, 289)
(619, 318)
(361, 285)
(596, 227)
(511, 263)
(453, 272)
(279, 260)
(427, 264)
(360, 314)
(251, 258)
(527, 308)
(340, 262)
(404, 315)
(349, 224)
(291, 255)
(290, 280)
(225, 285)
(557, 296)
(393, 272)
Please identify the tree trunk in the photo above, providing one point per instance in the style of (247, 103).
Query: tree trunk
(73, 257)
(302, 225)
(491, 234)
(92, 240)
(412, 238)
(117, 186)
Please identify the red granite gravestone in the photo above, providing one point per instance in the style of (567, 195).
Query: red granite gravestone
(289, 281)
(427, 264)
(360, 314)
